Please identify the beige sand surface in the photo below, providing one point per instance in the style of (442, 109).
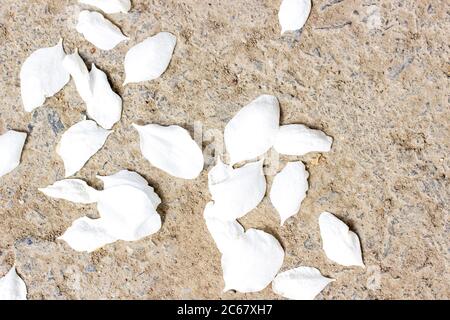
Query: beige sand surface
(372, 74)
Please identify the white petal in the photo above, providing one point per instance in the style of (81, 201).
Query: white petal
(12, 287)
(125, 177)
(128, 213)
(80, 142)
(171, 149)
(98, 30)
(103, 104)
(302, 283)
(339, 243)
(219, 173)
(86, 234)
(105, 107)
(223, 232)
(252, 131)
(11, 145)
(74, 190)
(236, 191)
(293, 14)
(109, 6)
(80, 74)
(150, 58)
(297, 140)
(251, 262)
(42, 75)
(289, 189)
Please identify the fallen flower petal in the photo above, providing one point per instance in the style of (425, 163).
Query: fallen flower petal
(105, 107)
(339, 243)
(42, 75)
(80, 74)
(79, 143)
(251, 262)
(149, 59)
(128, 213)
(289, 189)
(171, 149)
(74, 190)
(86, 234)
(293, 14)
(236, 191)
(125, 177)
(11, 145)
(127, 208)
(99, 31)
(12, 287)
(252, 131)
(103, 104)
(302, 283)
(297, 140)
(223, 232)
(109, 6)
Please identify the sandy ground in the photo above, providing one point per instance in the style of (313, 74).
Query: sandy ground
(372, 74)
